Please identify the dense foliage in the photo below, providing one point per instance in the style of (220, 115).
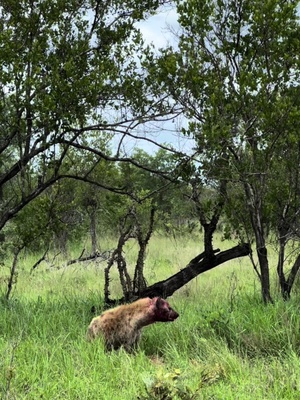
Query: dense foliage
(236, 73)
(76, 77)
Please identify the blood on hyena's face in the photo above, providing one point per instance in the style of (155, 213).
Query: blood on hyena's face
(163, 311)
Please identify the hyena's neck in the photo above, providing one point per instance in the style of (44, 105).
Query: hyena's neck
(141, 313)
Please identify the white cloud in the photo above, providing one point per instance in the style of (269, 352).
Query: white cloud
(158, 28)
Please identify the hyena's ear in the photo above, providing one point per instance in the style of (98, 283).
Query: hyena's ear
(159, 302)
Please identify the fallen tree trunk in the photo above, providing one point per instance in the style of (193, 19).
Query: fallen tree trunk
(195, 267)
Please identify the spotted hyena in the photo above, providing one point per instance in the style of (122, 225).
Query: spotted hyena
(121, 326)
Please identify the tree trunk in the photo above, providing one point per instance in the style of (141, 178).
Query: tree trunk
(93, 229)
(285, 232)
(255, 209)
(13, 272)
(139, 281)
(287, 284)
(282, 281)
(265, 274)
(292, 275)
(209, 225)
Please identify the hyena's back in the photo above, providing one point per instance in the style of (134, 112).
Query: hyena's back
(115, 331)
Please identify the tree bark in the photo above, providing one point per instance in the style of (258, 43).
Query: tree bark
(255, 209)
(139, 281)
(93, 229)
(12, 275)
(292, 275)
(265, 274)
(285, 232)
(280, 273)
(209, 225)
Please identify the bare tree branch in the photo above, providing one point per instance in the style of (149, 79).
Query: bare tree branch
(38, 262)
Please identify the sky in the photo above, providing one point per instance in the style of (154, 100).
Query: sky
(158, 31)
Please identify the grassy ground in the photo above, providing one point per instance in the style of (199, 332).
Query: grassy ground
(225, 345)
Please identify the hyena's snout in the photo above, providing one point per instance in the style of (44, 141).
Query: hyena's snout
(173, 315)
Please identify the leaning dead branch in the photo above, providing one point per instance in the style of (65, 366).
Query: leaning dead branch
(36, 264)
(92, 257)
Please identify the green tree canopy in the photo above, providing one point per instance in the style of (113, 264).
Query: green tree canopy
(69, 79)
(236, 72)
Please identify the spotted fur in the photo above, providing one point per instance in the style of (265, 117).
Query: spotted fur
(121, 326)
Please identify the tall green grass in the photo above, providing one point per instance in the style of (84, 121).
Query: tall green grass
(225, 345)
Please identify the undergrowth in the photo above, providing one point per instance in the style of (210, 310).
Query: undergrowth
(225, 345)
